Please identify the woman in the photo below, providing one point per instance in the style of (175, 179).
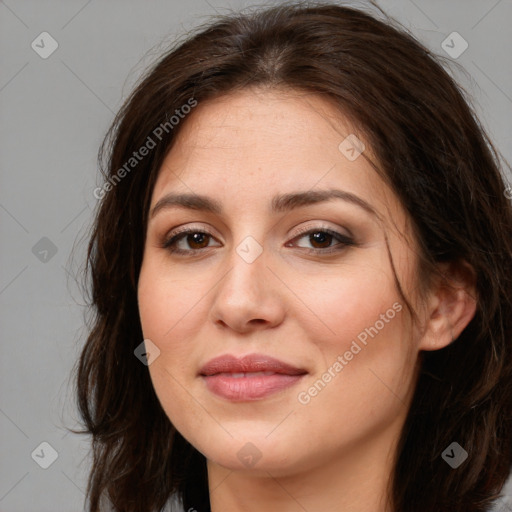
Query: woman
(301, 276)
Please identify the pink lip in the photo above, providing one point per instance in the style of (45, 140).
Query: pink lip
(218, 377)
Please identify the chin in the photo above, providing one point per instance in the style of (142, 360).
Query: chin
(252, 451)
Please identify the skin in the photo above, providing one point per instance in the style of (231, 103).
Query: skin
(336, 451)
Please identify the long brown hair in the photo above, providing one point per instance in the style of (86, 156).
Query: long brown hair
(429, 147)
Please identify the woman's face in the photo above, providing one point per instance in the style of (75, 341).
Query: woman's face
(273, 269)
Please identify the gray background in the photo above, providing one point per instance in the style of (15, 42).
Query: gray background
(53, 115)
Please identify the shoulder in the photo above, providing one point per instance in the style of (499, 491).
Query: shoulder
(175, 505)
(504, 503)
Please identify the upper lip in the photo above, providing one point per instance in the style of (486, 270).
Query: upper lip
(250, 363)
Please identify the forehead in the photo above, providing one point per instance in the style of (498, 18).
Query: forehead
(278, 121)
(255, 143)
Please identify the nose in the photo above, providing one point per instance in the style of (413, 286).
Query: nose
(248, 297)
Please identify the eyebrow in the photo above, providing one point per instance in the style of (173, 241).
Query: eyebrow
(279, 204)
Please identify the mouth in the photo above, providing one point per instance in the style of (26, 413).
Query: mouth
(240, 375)
(252, 377)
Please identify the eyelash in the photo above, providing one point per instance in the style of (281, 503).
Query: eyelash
(344, 241)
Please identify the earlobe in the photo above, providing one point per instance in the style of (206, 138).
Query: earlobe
(451, 305)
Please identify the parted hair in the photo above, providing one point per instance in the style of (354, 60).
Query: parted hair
(433, 151)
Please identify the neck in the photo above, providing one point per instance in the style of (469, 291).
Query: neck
(355, 480)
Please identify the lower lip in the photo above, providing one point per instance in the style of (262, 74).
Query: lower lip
(249, 388)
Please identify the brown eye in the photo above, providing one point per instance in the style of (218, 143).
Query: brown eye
(322, 238)
(321, 241)
(188, 241)
(197, 240)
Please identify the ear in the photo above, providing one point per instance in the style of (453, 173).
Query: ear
(452, 304)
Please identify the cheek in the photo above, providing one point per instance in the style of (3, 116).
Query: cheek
(171, 309)
(167, 302)
(345, 302)
(163, 308)
(364, 383)
(362, 345)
